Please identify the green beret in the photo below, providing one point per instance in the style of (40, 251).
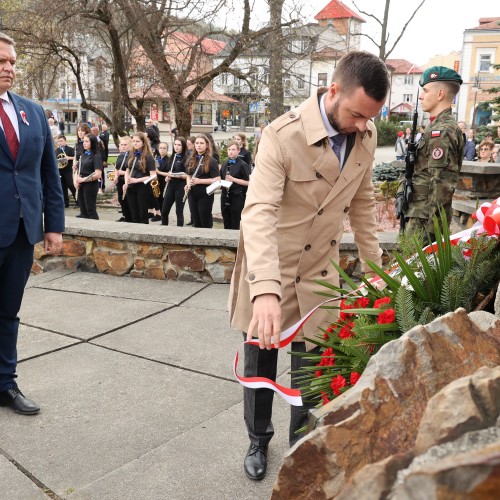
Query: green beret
(439, 74)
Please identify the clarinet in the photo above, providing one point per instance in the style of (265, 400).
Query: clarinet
(168, 179)
(194, 175)
(131, 172)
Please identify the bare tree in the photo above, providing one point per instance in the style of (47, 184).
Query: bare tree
(276, 43)
(384, 52)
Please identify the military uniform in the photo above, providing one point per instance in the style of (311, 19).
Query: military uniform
(440, 152)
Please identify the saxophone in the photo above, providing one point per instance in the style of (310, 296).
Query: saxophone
(194, 175)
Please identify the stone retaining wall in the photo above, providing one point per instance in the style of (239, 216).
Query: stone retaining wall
(161, 252)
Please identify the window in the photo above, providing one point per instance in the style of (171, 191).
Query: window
(407, 97)
(265, 77)
(408, 79)
(322, 77)
(286, 86)
(484, 62)
(202, 113)
(237, 82)
(223, 79)
(300, 82)
(298, 46)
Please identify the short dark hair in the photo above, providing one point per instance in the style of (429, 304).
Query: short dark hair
(452, 87)
(359, 68)
(61, 136)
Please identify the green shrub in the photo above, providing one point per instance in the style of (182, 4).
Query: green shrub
(388, 171)
(389, 189)
(387, 133)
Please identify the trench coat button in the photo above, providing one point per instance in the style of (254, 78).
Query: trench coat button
(292, 115)
(307, 247)
(251, 277)
(319, 176)
(346, 209)
(320, 212)
(333, 243)
(324, 273)
(297, 279)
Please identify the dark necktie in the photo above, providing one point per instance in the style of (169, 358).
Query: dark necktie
(338, 141)
(9, 131)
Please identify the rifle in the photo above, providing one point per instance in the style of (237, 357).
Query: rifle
(405, 193)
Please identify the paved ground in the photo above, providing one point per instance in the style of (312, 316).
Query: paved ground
(138, 399)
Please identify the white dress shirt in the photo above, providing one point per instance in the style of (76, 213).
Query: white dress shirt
(9, 108)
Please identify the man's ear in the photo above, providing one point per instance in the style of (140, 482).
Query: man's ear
(334, 89)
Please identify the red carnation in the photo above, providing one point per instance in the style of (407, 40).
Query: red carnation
(327, 358)
(362, 302)
(346, 331)
(354, 378)
(319, 372)
(337, 383)
(387, 316)
(329, 330)
(324, 397)
(379, 302)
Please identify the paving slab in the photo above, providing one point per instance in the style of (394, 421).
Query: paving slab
(212, 297)
(194, 339)
(44, 278)
(205, 463)
(101, 410)
(168, 292)
(81, 315)
(34, 342)
(14, 485)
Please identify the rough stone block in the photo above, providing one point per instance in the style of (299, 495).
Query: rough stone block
(73, 248)
(112, 244)
(136, 274)
(139, 263)
(186, 260)
(150, 251)
(115, 263)
(154, 271)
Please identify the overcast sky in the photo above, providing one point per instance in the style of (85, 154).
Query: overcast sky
(437, 28)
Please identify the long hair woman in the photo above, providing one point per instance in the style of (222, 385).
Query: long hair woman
(82, 130)
(202, 171)
(125, 147)
(88, 174)
(176, 182)
(244, 154)
(141, 165)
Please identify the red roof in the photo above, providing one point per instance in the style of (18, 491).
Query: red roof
(488, 23)
(402, 107)
(209, 46)
(337, 10)
(158, 92)
(402, 66)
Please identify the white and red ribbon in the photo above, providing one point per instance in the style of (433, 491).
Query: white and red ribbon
(488, 217)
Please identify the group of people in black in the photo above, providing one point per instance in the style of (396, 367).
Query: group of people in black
(184, 175)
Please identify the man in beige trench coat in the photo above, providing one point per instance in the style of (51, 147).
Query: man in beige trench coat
(304, 184)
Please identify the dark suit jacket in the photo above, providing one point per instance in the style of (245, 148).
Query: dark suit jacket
(31, 183)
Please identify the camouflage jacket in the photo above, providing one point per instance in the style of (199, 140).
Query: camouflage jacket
(440, 152)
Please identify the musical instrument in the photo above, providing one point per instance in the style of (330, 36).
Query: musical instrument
(111, 175)
(189, 185)
(62, 160)
(125, 186)
(155, 186)
(76, 173)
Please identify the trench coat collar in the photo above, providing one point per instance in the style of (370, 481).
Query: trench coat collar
(315, 131)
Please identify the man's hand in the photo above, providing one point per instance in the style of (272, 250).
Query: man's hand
(267, 320)
(52, 243)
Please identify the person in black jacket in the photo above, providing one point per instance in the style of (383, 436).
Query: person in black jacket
(87, 177)
(125, 147)
(65, 153)
(141, 165)
(162, 168)
(153, 133)
(244, 154)
(232, 199)
(202, 171)
(176, 183)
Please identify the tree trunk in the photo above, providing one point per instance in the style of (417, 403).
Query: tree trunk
(276, 59)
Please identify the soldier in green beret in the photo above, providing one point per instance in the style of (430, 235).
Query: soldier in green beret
(440, 151)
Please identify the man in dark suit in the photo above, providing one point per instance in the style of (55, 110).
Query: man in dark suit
(65, 156)
(31, 202)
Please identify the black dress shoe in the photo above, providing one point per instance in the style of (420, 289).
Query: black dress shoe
(256, 462)
(78, 215)
(15, 400)
(150, 215)
(66, 205)
(190, 223)
(121, 219)
(156, 218)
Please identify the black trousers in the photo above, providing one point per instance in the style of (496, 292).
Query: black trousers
(258, 403)
(15, 267)
(138, 198)
(123, 202)
(231, 208)
(200, 204)
(66, 175)
(87, 199)
(174, 194)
